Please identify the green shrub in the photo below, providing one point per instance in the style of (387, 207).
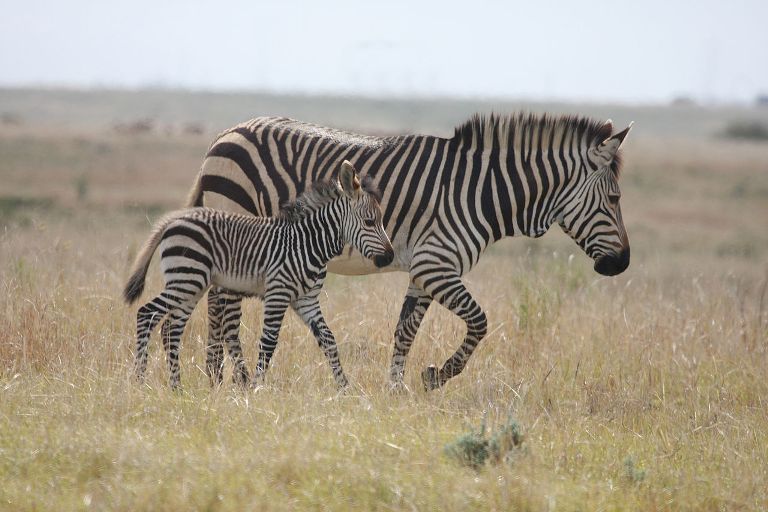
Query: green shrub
(746, 130)
(473, 449)
(470, 449)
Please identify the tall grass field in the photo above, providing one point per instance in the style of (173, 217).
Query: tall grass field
(645, 391)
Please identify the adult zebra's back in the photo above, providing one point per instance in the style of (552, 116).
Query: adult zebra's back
(444, 201)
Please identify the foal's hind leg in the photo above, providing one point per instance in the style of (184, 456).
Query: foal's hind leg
(172, 329)
(147, 318)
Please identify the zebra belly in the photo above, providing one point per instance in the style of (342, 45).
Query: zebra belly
(248, 286)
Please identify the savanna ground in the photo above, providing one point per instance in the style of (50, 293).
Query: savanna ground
(646, 391)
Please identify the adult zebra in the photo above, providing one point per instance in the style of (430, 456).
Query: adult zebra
(445, 200)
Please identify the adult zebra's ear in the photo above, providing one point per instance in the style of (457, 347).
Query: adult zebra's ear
(604, 153)
(350, 183)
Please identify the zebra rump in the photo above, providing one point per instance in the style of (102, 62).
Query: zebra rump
(135, 285)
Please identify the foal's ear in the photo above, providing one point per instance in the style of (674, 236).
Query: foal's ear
(348, 179)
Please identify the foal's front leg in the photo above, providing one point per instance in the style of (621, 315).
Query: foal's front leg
(308, 309)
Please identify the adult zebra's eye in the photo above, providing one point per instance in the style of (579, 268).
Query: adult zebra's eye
(613, 199)
(369, 222)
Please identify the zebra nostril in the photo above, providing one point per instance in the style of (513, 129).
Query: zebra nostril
(382, 260)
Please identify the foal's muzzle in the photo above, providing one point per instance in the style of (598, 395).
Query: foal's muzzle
(382, 260)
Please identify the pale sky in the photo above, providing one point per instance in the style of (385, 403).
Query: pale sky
(635, 51)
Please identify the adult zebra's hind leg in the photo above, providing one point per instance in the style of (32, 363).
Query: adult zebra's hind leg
(214, 349)
(414, 308)
(446, 287)
(224, 312)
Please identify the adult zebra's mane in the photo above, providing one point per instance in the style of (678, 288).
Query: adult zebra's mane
(496, 131)
(317, 195)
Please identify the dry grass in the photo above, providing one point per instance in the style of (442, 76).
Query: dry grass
(641, 392)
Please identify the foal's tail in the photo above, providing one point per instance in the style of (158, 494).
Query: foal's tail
(135, 284)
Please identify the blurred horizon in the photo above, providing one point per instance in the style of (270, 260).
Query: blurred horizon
(171, 110)
(153, 88)
(652, 53)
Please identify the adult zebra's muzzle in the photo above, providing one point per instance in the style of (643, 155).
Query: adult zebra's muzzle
(612, 264)
(382, 260)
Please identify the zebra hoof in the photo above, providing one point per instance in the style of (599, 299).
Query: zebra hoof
(257, 384)
(398, 388)
(341, 381)
(241, 379)
(431, 378)
(341, 392)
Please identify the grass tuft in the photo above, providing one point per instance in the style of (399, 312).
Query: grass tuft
(632, 472)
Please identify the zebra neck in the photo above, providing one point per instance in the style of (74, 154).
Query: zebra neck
(321, 233)
(520, 194)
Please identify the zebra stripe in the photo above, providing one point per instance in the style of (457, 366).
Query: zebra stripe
(283, 260)
(444, 201)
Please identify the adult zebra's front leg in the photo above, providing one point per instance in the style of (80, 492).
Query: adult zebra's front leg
(414, 308)
(440, 280)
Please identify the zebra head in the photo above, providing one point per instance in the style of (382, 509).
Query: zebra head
(363, 228)
(591, 214)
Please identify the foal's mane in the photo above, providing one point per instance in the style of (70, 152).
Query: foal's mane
(319, 194)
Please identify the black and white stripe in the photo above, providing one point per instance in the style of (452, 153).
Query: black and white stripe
(444, 201)
(282, 260)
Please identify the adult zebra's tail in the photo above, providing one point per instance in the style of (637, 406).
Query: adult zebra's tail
(195, 197)
(135, 284)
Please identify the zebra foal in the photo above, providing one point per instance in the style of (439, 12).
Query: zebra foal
(282, 260)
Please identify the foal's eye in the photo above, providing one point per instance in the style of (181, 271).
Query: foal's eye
(613, 199)
(369, 223)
